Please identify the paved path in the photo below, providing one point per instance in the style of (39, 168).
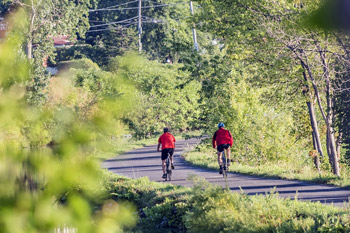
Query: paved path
(146, 162)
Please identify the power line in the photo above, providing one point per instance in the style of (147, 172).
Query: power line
(124, 26)
(114, 6)
(133, 8)
(155, 2)
(109, 29)
(122, 4)
(111, 23)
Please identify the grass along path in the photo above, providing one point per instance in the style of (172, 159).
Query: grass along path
(146, 162)
(114, 146)
(292, 169)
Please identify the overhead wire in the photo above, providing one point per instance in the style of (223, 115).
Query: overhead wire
(133, 8)
(116, 22)
(114, 6)
(145, 19)
(111, 28)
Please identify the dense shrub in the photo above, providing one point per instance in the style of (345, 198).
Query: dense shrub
(209, 208)
(46, 188)
(260, 131)
(166, 96)
(216, 210)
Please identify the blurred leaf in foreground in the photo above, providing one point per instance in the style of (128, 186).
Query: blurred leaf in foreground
(46, 188)
(332, 15)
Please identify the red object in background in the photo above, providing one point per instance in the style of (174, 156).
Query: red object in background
(60, 41)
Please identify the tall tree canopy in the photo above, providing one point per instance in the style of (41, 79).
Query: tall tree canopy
(166, 31)
(45, 20)
(268, 32)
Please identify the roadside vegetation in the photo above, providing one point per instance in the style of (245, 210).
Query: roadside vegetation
(297, 167)
(207, 208)
(276, 74)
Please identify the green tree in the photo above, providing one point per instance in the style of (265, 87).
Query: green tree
(45, 20)
(166, 31)
(45, 189)
(272, 32)
(166, 96)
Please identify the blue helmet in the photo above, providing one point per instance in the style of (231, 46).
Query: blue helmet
(220, 125)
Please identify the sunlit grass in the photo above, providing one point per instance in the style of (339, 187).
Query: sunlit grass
(114, 146)
(298, 168)
(208, 208)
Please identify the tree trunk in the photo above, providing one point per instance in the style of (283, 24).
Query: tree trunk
(339, 143)
(313, 121)
(315, 131)
(332, 151)
(29, 49)
(331, 145)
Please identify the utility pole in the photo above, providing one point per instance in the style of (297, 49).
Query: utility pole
(140, 26)
(194, 30)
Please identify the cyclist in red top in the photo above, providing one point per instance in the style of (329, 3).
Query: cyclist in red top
(168, 145)
(223, 140)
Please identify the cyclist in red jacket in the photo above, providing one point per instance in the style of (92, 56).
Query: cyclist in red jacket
(168, 146)
(223, 140)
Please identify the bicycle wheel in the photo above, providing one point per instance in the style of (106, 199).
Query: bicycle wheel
(168, 169)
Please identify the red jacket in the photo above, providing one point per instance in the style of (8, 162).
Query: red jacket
(222, 136)
(167, 140)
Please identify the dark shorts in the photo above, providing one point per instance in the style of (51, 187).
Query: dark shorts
(222, 147)
(165, 153)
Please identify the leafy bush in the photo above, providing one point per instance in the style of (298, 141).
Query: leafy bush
(209, 208)
(260, 132)
(43, 189)
(161, 206)
(166, 96)
(216, 210)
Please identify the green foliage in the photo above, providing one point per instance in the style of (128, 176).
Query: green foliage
(260, 132)
(161, 207)
(165, 216)
(344, 121)
(215, 210)
(100, 47)
(13, 58)
(269, 42)
(166, 97)
(165, 30)
(331, 15)
(47, 188)
(45, 20)
(209, 208)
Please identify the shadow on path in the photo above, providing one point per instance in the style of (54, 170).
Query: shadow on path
(146, 162)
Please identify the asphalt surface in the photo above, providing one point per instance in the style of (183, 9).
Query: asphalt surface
(146, 162)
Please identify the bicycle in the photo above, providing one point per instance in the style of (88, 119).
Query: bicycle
(168, 169)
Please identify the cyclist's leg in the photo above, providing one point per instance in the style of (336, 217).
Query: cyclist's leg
(219, 158)
(163, 165)
(171, 158)
(228, 154)
(219, 151)
(164, 157)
